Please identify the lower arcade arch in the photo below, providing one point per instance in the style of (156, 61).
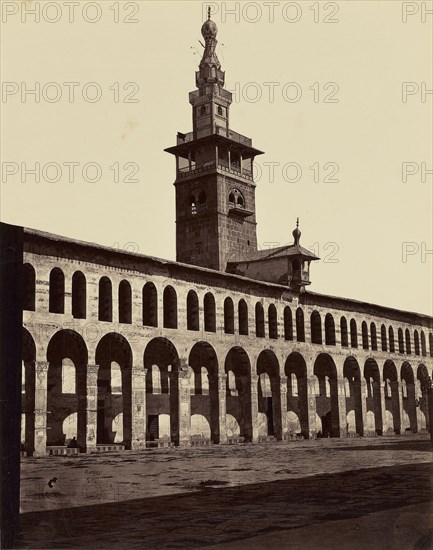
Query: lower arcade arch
(66, 388)
(352, 375)
(392, 420)
(297, 393)
(422, 403)
(161, 361)
(114, 413)
(269, 395)
(238, 394)
(408, 397)
(373, 397)
(327, 406)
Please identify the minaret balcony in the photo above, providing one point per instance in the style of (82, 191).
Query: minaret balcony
(222, 166)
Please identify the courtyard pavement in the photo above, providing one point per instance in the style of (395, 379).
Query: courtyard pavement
(330, 493)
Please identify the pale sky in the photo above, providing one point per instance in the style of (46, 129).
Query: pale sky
(358, 225)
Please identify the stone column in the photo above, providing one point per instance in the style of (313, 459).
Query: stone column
(283, 396)
(222, 392)
(400, 406)
(184, 407)
(91, 407)
(138, 405)
(363, 386)
(342, 414)
(397, 405)
(311, 408)
(41, 391)
(254, 408)
(382, 406)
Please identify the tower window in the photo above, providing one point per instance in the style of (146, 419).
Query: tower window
(203, 110)
(220, 110)
(202, 198)
(236, 199)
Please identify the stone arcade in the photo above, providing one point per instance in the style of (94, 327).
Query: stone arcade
(224, 345)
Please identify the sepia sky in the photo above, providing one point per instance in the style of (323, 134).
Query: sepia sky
(329, 90)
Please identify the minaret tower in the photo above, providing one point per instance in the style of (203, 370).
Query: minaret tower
(215, 190)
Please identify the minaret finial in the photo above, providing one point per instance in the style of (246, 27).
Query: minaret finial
(208, 12)
(296, 233)
(297, 222)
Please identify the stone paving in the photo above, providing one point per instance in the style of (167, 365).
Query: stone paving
(235, 497)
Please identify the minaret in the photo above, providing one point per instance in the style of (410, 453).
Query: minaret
(215, 190)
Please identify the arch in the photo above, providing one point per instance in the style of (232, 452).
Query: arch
(424, 385)
(125, 302)
(329, 330)
(105, 302)
(150, 305)
(416, 342)
(352, 374)
(364, 330)
(373, 336)
(243, 317)
(408, 342)
(400, 341)
(272, 322)
(229, 316)
(288, 324)
(113, 351)
(372, 377)
(316, 328)
(192, 311)
(79, 295)
(67, 357)
(392, 398)
(353, 334)
(202, 199)
(169, 299)
(260, 320)
(327, 406)
(29, 287)
(343, 332)
(391, 340)
(162, 403)
(300, 325)
(204, 388)
(297, 402)
(209, 312)
(57, 291)
(383, 338)
(239, 405)
(423, 345)
(269, 397)
(408, 382)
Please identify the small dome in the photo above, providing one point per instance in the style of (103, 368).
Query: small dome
(297, 233)
(209, 29)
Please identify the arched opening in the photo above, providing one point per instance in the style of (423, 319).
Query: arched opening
(66, 384)
(416, 342)
(79, 295)
(238, 402)
(383, 338)
(409, 405)
(430, 341)
(329, 330)
(327, 405)
(243, 317)
(316, 328)
(373, 400)
(391, 340)
(204, 393)
(28, 395)
(408, 342)
(297, 395)
(423, 345)
(373, 336)
(272, 322)
(162, 390)
(352, 375)
(29, 287)
(192, 311)
(105, 304)
(170, 307)
(353, 334)
(269, 400)
(400, 341)
(300, 325)
(288, 324)
(229, 316)
(343, 332)
(422, 415)
(150, 305)
(57, 291)
(125, 302)
(392, 420)
(114, 412)
(260, 320)
(364, 330)
(209, 313)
